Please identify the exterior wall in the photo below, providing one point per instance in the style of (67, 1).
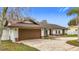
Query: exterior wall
(61, 32)
(56, 31)
(42, 32)
(13, 34)
(10, 34)
(53, 32)
(5, 35)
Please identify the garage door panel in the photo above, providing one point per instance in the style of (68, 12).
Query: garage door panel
(29, 34)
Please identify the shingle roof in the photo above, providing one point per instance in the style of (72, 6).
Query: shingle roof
(24, 24)
(29, 23)
(52, 26)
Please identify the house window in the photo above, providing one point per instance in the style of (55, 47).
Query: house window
(56, 31)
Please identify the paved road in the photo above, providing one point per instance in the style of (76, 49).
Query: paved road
(57, 44)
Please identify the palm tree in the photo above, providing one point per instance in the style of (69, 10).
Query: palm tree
(2, 21)
(73, 22)
(75, 11)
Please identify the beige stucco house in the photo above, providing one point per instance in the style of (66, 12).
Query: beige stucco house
(17, 30)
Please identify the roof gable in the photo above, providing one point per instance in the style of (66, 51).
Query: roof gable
(23, 24)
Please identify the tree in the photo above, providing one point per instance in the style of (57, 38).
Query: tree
(16, 13)
(2, 21)
(72, 22)
(75, 11)
(9, 14)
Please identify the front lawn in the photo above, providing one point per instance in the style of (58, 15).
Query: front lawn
(73, 42)
(7, 45)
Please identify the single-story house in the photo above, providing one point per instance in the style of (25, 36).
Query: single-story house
(17, 30)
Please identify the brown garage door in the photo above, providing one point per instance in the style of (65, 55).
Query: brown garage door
(29, 34)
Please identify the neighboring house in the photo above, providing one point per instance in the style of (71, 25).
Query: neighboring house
(72, 30)
(17, 30)
(52, 29)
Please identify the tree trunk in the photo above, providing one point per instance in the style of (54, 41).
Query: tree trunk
(78, 33)
(78, 28)
(1, 32)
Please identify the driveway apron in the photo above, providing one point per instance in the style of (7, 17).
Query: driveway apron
(57, 44)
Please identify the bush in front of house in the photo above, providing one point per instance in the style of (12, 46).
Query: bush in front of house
(71, 35)
(73, 42)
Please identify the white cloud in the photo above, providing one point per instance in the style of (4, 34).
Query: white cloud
(63, 9)
(60, 10)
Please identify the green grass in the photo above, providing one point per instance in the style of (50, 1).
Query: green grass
(71, 35)
(7, 45)
(73, 42)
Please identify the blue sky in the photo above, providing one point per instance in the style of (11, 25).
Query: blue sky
(54, 15)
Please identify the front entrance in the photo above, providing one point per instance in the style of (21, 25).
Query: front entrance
(45, 32)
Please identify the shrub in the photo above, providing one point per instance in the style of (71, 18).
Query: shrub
(71, 35)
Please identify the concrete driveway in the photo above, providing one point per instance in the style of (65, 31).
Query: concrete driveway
(57, 44)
